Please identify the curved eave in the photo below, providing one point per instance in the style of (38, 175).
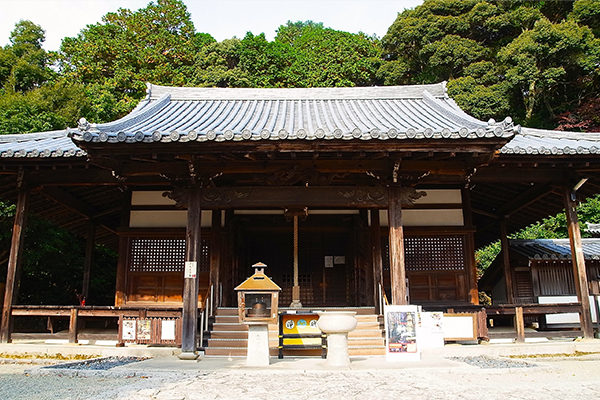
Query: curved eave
(45, 145)
(554, 249)
(552, 143)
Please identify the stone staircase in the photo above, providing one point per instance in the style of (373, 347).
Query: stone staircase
(227, 337)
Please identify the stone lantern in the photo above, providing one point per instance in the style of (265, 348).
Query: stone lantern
(258, 297)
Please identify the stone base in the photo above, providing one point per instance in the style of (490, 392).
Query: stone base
(188, 355)
(258, 346)
(337, 350)
(296, 298)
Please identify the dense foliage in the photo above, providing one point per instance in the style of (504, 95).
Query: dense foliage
(533, 60)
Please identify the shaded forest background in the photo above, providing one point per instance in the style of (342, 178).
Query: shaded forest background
(536, 61)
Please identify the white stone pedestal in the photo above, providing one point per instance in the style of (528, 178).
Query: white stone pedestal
(337, 324)
(188, 355)
(258, 346)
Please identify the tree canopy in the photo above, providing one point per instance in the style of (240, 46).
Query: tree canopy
(533, 60)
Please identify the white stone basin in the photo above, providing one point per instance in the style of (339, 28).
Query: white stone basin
(337, 321)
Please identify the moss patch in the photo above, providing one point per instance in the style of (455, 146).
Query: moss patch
(56, 356)
(557, 355)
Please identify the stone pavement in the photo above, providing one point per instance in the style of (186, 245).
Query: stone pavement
(163, 359)
(441, 374)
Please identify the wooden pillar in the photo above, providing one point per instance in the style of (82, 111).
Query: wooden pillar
(397, 266)
(89, 253)
(190, 281)
(12, 276)
(73, 325)
(296, 303)
(376, 258)
(510, 295)
(215, 256)
(520, 324)
(581, 282)
(124, 248)
(470, 263)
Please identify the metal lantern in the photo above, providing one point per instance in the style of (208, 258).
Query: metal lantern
(258, 297)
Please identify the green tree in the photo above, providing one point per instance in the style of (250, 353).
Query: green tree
(53, 106)
(318, 56)
(116, 57)
(529, 59)
(217, 64)
(23, 63)
(546, 64)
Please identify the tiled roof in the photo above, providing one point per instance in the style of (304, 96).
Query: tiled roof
(365, 113)
(223, 114)
(554, 249)
(39, 145)
(538, 141)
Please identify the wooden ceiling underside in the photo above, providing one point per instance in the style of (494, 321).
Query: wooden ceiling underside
(522, 189)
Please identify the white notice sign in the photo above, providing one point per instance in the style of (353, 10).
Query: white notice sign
(167, 330)
(190, 269)
(128, 331)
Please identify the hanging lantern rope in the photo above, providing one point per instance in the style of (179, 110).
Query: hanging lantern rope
(295, 250)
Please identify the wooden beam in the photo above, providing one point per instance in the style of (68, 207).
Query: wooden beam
(67, 200)
(397, 265)
(376, 258)
(524, 199)
(72, 203)
(470, 263)
(510, 296)
(581, 281)
(514, 174)
(89, 258)
(121, 281)
(73, 325)
(519, 324)
(215, 256)
(294, 196)
(190, 278)
(12, 275)
(482, 146)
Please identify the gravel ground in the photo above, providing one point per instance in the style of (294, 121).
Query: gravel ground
(487, 378)
(98, 364)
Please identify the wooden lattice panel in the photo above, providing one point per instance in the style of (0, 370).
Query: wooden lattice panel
(431, 253)
(164, 255)
(442, 253)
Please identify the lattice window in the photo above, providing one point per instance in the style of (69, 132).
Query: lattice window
(164, 255)
(287, 280)
(523, 284)
(434, 253)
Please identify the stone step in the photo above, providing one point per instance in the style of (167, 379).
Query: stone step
(229, 319)
(222, 311)
(241, 352)
(229, 338)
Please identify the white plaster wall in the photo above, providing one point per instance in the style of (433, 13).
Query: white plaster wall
(165, 219)
(568, 318)
(151, 198)
(441, 196)
(411, 217)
